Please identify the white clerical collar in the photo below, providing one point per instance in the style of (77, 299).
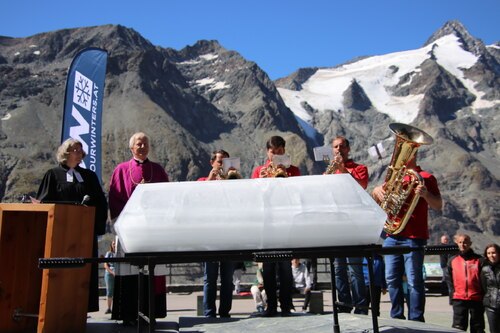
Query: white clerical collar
(73, 173)
(138, 160)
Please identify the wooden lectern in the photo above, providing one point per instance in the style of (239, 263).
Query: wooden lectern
(50, 300)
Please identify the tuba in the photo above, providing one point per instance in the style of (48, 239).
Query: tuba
(400, 198)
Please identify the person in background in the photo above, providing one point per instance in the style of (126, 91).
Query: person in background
(211, 269)
(415, 235)
(443, 262)
(125, 178)
(465, 269)
(276, 146)
(490, 281)
(379, 285)
(258, 291)
(344, 164)
(301, 282)
(239, 269)
(109, 276)
(68, 182)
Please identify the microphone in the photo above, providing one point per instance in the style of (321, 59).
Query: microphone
(85, 200)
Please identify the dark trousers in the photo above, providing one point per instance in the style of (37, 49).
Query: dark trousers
(307, 296)
(93, 305)
(493, 316)
(125, 297)
(284, 270)
(210, 288)
(461, 311)
(312, 267)
(377, 290)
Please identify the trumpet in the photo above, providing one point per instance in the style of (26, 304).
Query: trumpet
(276, 171)
(232, 173)
(332, 166)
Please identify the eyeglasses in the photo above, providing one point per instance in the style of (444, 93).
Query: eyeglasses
(75, 150)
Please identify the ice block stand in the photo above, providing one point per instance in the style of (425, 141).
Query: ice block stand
(269, 219)
(252, 219)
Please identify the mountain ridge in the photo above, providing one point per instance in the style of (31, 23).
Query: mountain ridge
(205, 97)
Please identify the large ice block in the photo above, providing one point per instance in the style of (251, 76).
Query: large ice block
(249, 214)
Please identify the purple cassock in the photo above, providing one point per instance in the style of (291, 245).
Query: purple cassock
(127, 176)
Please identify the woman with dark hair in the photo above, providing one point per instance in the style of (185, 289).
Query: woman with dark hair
(68, 182)
(109, 276)
(490, 281)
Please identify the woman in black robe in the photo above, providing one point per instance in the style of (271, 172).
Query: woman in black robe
(68, 182)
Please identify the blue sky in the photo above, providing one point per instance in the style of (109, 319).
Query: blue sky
(280, 36)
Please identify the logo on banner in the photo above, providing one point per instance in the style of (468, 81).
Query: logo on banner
(86, 96)
(82, 92)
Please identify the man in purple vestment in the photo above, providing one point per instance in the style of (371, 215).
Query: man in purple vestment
(125, 178)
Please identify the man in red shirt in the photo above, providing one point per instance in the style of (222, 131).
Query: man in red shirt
(344, 164)
(415, 234)
(276, 146)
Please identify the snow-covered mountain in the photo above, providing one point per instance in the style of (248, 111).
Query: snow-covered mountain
(380, 77)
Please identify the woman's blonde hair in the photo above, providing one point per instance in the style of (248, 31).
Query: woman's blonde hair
(63, 150)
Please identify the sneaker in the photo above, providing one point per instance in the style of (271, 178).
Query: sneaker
(268, 313)
(108, 311)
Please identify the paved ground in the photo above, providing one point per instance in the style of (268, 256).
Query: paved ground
(182, 318)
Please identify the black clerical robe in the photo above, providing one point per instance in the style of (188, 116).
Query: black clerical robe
(57, 186)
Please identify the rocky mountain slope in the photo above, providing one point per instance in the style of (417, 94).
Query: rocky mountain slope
(204, 97)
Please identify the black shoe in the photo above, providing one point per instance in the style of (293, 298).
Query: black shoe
(361, 311)
(286, 313)
(344, 309)
(130, 322)
(225, 315)
(108, 311)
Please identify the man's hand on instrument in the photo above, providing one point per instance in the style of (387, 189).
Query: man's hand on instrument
(263, 173)
(378, 193)
(213, 174)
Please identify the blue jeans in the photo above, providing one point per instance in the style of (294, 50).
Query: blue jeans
(357, 283)
(395, 267)
(210, 288)
(110, 284)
